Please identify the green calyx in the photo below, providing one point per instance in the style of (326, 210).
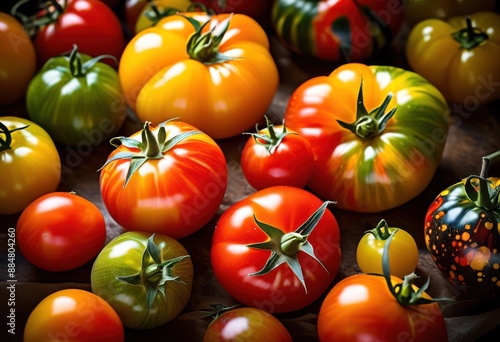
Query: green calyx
(470, 36)
(149, 148)
(154, 14)
(481, 190)
(270, 140)
(204, 47)
(154, 273)
(285, 247)
(369, 124)
(381, 231)
(79, 69)
(51, 12)
(7, 141)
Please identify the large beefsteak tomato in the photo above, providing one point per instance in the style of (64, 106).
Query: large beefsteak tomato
(377, 133)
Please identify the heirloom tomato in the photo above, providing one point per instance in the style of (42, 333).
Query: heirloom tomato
(168, 179)
(462, 233)
(30, 165)
(246, 324)
(73, 315)
(460, 56)
(147, 279)
(277, 249)
(17, 60)
(213, 72)
(60, 231)
(276, 156)
(77, 99)
(376, 151)
(153, 11)
(403, 251)
(337, 30)
(90, 24)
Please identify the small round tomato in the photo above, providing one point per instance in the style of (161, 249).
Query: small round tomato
(277, 156)
(73, 315)
(246, 324)
(146, 278)
(30, 165)
(60, 231)
(277, 249)
(403, 250)
(17, 60)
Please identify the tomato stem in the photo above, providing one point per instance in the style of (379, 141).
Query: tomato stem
(51, 12)
(381, 231)
(270, 140)
(470, 37)
(5, 144)
(487, 161)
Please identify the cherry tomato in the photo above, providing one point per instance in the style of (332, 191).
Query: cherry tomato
(60, 231)
(277, 156)
(73, 315)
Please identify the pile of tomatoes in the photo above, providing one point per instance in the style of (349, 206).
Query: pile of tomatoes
(193, 74)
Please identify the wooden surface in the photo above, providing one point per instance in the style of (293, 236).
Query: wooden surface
(473, 134)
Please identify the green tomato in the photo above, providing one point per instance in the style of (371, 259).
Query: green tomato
(147, 279)
(77, 100)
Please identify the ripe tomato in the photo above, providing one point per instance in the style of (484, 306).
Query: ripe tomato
(146, 278)
(170, 71)
(377, 134)
(60, 231)
(154, 10)
(276, 156)
(169, 179)
(362, 307)
(403, 250)
(246, 324)
(73, 315)
(277, 249)
(30, 165)
(17, 60)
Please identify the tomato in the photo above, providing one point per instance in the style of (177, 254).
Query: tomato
(73, 315)
(277, 249)
(169, 179)
(403, 249)
(17, 60)
(257, 9)
(459, 56)
(77, 99)
(90, 24)
(60, 231)
(132, 10)
(246, 324)
(30, 165)
(361, 307)
(337, 30)
(462, 234)
(276, 156)
(168, 71)
(153, 11)
(419, 10)
(146, 278)
(377, 134)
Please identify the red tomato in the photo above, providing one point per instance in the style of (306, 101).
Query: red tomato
(277, 156)
(277, 249)
(177, 179)
(73, 315)
(60, 231)
(90, 24)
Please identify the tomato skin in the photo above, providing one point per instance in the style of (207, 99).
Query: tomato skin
(17, 60)
(463, 239)
(76, 315)
(280, 290)
(123, 256)
(246, 324)
(161, 82)
(290, 163)
(60, 231)
(90, 24)
(31, 149)
(339, 30)
(363, 174)
(361, 307)
(175, 195)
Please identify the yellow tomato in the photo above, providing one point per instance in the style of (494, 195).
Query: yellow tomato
(153, 11)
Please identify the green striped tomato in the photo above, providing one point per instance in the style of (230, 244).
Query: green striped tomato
(342, 30)
(373, 151)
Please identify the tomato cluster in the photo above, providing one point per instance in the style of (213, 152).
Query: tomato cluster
(177, 78)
